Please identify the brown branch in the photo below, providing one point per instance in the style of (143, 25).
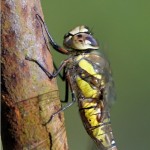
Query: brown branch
(29, 98)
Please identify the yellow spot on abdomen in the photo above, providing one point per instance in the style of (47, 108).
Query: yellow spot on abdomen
(84, 64)
(86, 89)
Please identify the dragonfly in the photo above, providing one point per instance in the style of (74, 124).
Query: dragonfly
(88, 76)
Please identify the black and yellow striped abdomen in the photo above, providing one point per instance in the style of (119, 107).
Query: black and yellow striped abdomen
(92, 83)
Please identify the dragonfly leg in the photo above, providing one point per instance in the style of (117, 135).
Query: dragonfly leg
(66, 100)
(50, 75)
(63, 108)
(60, 75)
(52, 42)
(66, 93)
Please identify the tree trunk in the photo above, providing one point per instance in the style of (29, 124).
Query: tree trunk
(29, 98)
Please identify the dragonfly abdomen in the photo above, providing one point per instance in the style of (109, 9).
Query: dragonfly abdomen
(97, 124)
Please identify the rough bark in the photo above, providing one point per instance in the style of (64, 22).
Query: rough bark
(29, 98)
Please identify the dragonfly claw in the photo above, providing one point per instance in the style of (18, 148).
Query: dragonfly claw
(28, 58)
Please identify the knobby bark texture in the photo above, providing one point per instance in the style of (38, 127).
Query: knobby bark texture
(29, 98)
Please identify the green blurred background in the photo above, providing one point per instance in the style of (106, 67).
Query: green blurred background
(122, 28)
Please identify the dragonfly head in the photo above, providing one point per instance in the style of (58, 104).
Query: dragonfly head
(80, 38)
